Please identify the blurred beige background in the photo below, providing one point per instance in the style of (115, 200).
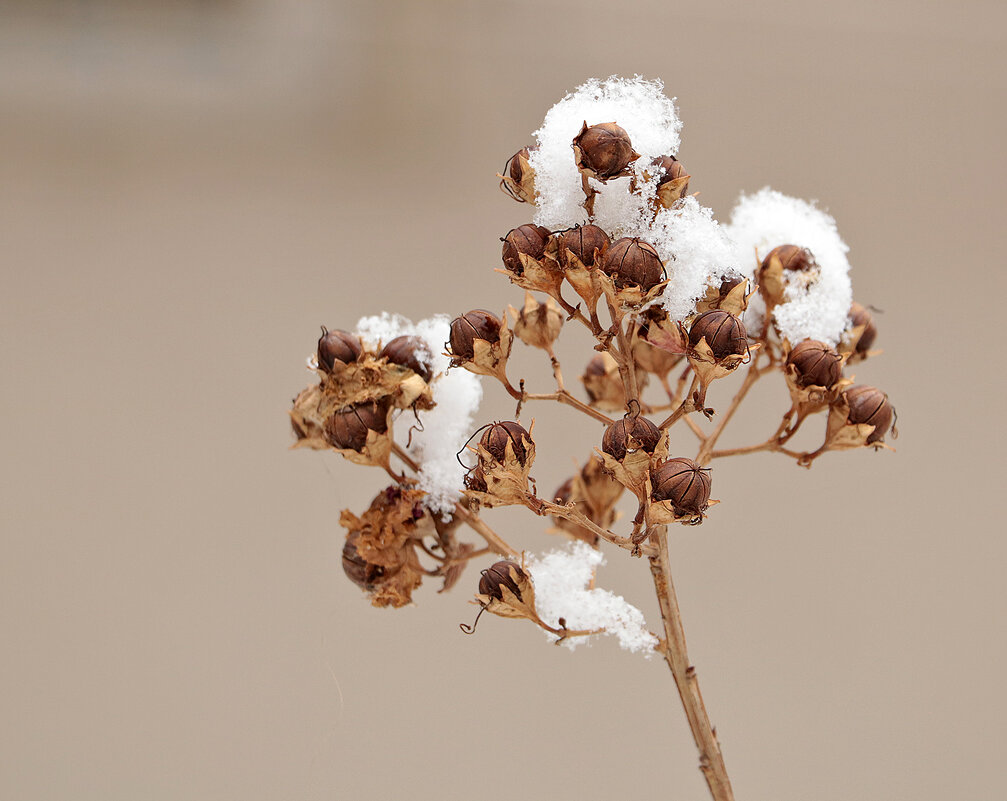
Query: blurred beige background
(187, 192)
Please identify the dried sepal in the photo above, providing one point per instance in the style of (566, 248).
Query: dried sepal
(648, 356)
(375, 378)
(731, 295)
(518, 178)
(307, 421)
(537, 324)
(506, 452)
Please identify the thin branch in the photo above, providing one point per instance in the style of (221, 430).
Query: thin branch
(707, 447)
(570, 513)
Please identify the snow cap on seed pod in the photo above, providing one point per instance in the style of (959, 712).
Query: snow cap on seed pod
(784, 265)
(672, 180)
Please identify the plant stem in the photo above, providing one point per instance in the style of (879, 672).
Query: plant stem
(707, 447)
(672, 647)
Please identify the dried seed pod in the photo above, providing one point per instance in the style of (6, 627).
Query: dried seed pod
(604, 149)
(870, 406)
(631, 261)
(347, 429)
(792, 257)
(723, 332)
(603, 383)
(816, 364)
(496, 437)
(495, 578)
(538, 324)
(361, 572)
(411, 352)
(337, 346)
(473, 325)
(586, 242)
(684, 484)
(528, 239)
(667, 169)
(861, 316)
(616, 439)
(518, 178)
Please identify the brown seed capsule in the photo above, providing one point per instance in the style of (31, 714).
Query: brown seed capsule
(684, 483)
(473, 325)
(337, 346)
(517, 180)
(361, 572)
(584, 241)
(861, 316)
(667, 169)
(411, 352)
(347, 429)
(616, 439)
(817, 364)
(871, 406)
(604, 149)
(632, 261)
(496, 437)
(792, 257)
(499, 576)
(528, 239)
(724, 333)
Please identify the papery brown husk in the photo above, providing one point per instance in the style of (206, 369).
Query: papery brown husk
(489, 358)
(374, 379)
(593, 493)
(734, 302)
(507, 480)
(521, 605)
(541, 275)
(537, 324)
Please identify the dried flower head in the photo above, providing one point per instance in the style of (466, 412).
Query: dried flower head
(604, 150)
(471, 326)
(632, 261)
(498, 436)
(518, 178)
(526, 240)
(870, 406)
(684, 484)
(815, 364)
(724, 333)
(348, 428)
(630, 434)
(337, 346)
(411, 352)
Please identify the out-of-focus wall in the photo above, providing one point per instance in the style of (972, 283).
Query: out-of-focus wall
(188, 190)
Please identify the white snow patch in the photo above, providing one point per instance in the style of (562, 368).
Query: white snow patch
(447, 426)
(561, 580)
(648, 116)
(767, 219)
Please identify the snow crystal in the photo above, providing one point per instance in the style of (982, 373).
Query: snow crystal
(767, 219)
(561, 580)
(446, 427)
(648, 116)
(697, 252)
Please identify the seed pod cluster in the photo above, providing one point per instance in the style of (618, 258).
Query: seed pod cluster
(605, 150)
(528, 239)
(870, 406)
(411, 352)
(617, 438)
(630, 260)
(347, 429)
(337, 347)
(723, 332)
(684, 484)
(586, 242)
(473, 325)
(495, 578)
(496, 438)
(815, 364)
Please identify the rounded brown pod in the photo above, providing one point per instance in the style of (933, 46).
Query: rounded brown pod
(361, 572)
(684, 484)
(605, 149)
(859, 315)
(632, 261)
(521, 186)
(528, 239)
(496, 437)
(337, 346)
(412, 352)
(667, 169)
(584, 241)
(817, 364)
(498, 576)
(792, 257)
(870, 406)
(723, 332)
(347, 429)
(616, 439)
(473, 325)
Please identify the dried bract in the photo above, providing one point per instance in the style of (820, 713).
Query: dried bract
(603, 384)
(538, 324)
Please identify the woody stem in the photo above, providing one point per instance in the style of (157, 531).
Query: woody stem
(673, 648)
(706, 449)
